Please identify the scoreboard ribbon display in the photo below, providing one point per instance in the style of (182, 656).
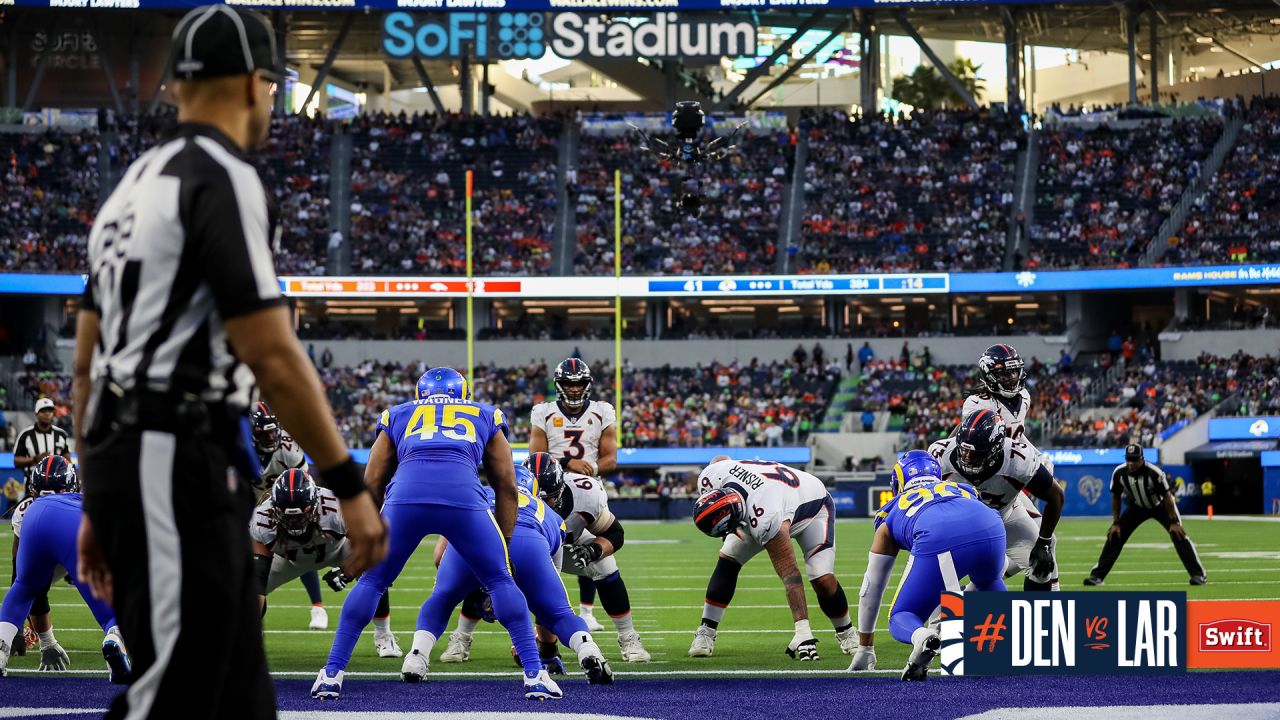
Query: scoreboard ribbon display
(524, 5)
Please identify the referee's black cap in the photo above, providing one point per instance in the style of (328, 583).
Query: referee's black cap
(220, 40)
(1133, 453)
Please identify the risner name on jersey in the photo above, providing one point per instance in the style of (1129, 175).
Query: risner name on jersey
(775, 493)
(574, 437)
(325, 545)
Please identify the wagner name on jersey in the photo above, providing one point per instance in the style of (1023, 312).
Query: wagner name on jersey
(576, 437)
(1013, 411)
(322, 546)
(1021, 467)
(774, 493)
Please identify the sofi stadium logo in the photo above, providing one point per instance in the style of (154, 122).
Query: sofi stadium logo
(516, 35)
(1235, 634)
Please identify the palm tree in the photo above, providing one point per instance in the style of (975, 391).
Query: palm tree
(926, 88)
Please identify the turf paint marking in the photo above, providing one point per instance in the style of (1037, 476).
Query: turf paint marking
(1249, 711)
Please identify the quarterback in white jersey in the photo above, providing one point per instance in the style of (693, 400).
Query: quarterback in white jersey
(982, 454)
(760, 505)
(581, 434)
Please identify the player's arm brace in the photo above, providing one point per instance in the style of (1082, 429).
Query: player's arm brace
(880, 560)
(262, 559)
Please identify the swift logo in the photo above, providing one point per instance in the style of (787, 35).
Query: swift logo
(1235, 634)
(989, 633)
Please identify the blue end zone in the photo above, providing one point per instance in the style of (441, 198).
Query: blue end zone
(750, 698)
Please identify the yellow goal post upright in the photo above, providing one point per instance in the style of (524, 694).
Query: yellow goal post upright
(617, 304)
(471, 335)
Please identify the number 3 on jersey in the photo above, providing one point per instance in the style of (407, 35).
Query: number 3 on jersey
(454, 425)
(916, 498)
(575, 451)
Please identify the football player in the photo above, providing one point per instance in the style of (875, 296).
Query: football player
(581, 433)
(49, 526)
(949, 533)
(536, 554)
(756, 505)
(982, 454)
(427, 454)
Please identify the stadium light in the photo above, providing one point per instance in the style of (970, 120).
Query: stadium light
(1204, 40)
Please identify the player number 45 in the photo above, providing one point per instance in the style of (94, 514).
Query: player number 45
(455, 423)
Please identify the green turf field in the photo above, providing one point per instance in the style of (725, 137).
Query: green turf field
(666, 567)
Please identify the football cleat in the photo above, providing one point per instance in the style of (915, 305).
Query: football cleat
(922, 653)
(415, 667)
(1092, 581)
(117, 657)
(326, 686)
(4, 657)
(631, 647)
(848, 640)
(593, 625)
(54, 658)
(541, 687)
(386, 645)
(597, 670)
(1199, 580)
(806, 651)
(319, 618)
(704, 642)
(459, 649)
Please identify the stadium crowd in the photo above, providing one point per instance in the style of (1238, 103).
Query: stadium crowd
(929, 191)
(51, 187)
(1102, 192)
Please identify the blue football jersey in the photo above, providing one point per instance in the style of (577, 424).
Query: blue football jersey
(440, 445)
(535, 515)
(933, 518)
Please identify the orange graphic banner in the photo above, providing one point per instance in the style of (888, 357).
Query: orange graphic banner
(1233, 634)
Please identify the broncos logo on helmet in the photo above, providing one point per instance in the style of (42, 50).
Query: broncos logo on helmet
(573, 383)
(548, 477)
(979, 443)
(1002, 370)
(295, 502)
(52, 476)
(266, 430)
(719, 512)
(443, 381)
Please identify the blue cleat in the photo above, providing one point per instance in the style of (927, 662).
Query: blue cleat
(117, 657)
(541, 687)
(326, 686)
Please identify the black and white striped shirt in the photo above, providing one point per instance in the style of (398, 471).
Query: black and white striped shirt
(182, 244)
(33, 443)
(1146, 488)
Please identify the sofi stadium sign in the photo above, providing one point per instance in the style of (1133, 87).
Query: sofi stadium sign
(523, 35)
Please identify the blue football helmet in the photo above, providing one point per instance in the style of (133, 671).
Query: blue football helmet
(719, 512)
(915, 468)
(979, 443)
(526, 480)
(443, 381)
(548, 476)
(295, 502)
(1002, 370)
(53, 475)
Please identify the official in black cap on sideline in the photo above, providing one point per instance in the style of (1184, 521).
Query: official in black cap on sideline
(181, 313)
(1149, 495)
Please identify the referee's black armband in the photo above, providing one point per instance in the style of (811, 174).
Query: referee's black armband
(345, 480)
(262, 571)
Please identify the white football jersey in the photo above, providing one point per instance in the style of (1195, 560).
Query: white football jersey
(18, 514)
(286, 457)
(328, 537)
(573, 437)
(590, 507)
(774, 493)
(1021, 460)
(1015, 417)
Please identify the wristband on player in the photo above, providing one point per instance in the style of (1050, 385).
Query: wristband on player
(345, 480)
(1047, 539)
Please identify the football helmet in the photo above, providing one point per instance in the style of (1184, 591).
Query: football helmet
(53, 475)
(548, 477)
(295, 502)
(979, 442)
(1002, 370)
(443, 381)
(266, 430)
(573, 383)
(719, 512)
(915, 468)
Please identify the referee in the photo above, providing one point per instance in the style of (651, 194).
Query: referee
(181, 313)
(40, 440)
(1147, 489)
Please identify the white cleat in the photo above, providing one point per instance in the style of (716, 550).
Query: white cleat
(4, 656)
(117, 657)
(704, 642)
(541, 688)
(848, 640)
(319, 618)
(386, 645)
(459, 649)
(632, 649)
(593, 625)
(415, 667)
(922, 653)
(327, 687)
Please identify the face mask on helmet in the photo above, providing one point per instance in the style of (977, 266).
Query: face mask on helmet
(972, 461)
(295, 522)
(573, 393)
(267, 437)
